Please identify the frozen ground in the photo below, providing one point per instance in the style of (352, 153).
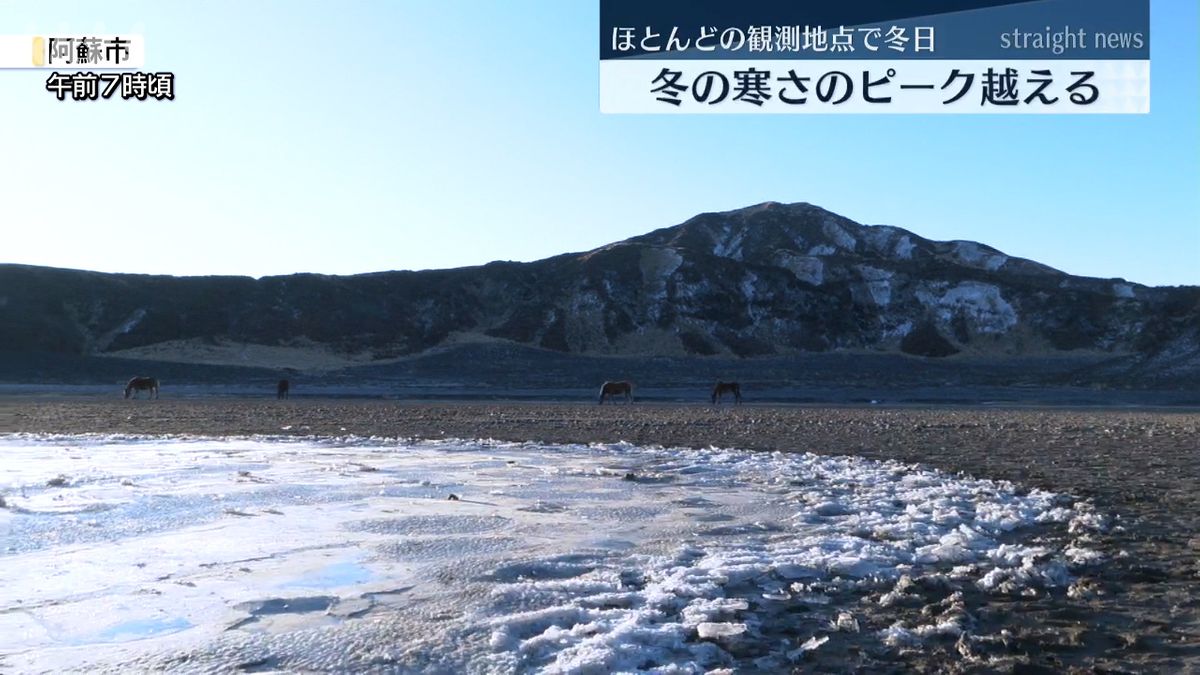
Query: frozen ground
(129, 553)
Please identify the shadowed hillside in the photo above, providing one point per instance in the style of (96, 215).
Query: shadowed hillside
(768, 280)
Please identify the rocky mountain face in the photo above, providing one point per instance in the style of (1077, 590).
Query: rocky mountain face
(768, 279)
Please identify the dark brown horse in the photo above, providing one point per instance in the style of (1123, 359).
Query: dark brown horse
(142, 383)
(610, 389)
(281, 390)
(723, 388)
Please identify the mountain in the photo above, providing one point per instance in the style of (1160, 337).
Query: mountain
(771, 279)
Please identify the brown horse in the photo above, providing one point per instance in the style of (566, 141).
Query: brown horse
(610, 389)
(281, 389)
(727, 388)
(142, 383)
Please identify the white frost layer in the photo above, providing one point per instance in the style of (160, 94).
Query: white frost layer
(348, 554)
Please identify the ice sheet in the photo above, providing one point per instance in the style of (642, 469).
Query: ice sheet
(262, 553)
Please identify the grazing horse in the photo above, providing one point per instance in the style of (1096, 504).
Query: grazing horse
(610, 389)
(142, 383)
(281, 390)
(727, 388)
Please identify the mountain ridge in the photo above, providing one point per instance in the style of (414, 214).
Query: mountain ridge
(766, 279)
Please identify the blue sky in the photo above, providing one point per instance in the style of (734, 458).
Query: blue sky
(438, 134)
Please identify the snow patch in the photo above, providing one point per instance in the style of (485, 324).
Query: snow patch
(585, 321)
(878, 237)
(889, 241)
(657, 266)
(749, 288)
(841, 238)
(877, 283)
(976, 255)
(982, 304)
(749, 282)
(904, 248)
(898, 331)
(807, 269)
(729, 244)
(132, 322)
